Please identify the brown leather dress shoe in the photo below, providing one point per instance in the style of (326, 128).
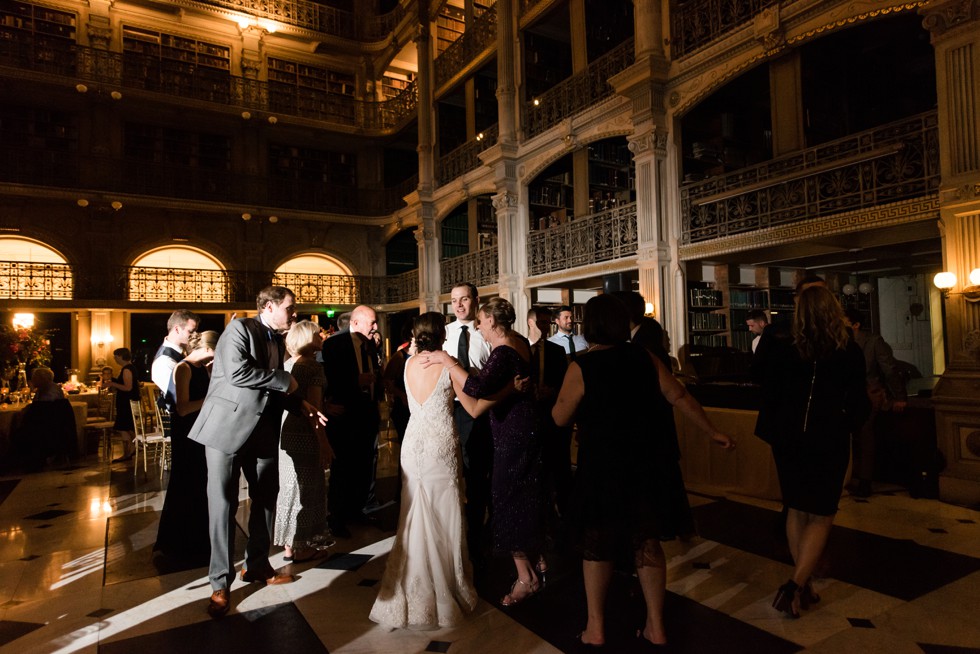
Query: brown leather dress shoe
(219, 603)
(267, 576)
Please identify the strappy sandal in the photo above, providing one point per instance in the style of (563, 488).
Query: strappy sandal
(511, 600)
(787, 599)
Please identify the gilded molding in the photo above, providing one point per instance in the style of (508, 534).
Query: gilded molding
(897, 213)
(767, 30)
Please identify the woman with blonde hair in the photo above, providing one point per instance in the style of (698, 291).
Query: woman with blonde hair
(813, 399)
(301, 509)
(183, 532)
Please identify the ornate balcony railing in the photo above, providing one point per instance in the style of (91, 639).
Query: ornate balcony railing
(36, 281)
(144, 73)
(577, 92)
(54, 281)
(526, 6)
(695, 23)
(463, 159)
(480, 268)
(603, 236)
(891, 162)
(479, 36)
(68, 169)
(316, 17)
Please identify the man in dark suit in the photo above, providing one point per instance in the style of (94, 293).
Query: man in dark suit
(353, 388)
(548, 367)
(239, 427)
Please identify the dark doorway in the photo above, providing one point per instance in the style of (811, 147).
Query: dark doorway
(147, 331)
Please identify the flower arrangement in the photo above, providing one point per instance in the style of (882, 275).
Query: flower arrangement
(71, 387)
(30, 347)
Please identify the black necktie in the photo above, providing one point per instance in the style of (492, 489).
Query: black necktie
(275, 353)
(463, 350)
(571, 346)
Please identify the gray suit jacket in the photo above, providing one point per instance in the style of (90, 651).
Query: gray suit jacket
(243, 387)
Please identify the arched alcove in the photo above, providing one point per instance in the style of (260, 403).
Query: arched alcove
(317, 279)
(178, 273)
(30, 269)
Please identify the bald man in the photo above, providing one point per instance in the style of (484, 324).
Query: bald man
(354, 388)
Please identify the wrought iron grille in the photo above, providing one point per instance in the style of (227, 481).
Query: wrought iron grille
(36, 281)
(891, 162)
(695, 23)
(401, 288)
(463, 159)
(480, 268)
(577, 92)
(479, 36)
(603, 236)
(179, 285)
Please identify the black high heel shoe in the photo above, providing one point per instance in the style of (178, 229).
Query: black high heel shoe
(807, 595)
(786, 599)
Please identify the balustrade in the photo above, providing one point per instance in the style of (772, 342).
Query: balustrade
(578, 92)
(480, 268)
(35, 281)
(463, 159)
(698, 22)
(478, 37)
(603, 236)
(886, 164)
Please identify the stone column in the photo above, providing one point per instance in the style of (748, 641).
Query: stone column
(506, 89)
(512, 231)
(955, 30)
(426, 102)
(427, 237)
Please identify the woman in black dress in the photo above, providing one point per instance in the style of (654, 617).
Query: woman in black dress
(628, 493)
(127, 388)
(183, 531)
(813, 398)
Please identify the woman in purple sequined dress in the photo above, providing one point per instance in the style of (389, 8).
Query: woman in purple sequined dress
(515, 486)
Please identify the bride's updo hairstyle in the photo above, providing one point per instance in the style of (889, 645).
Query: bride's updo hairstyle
(501, 311)
(429, 331)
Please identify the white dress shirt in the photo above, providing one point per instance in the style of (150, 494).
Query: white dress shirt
(162, 368)
(479, 348)
(581, 345)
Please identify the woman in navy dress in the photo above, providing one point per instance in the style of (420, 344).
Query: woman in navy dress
(515, 484)
(183, 531)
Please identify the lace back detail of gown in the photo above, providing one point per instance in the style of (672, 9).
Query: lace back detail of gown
(427, 582)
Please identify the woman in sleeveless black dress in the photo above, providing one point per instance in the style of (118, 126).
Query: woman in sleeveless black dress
(628, 493)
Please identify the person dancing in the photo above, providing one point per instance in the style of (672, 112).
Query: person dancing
(814, 397)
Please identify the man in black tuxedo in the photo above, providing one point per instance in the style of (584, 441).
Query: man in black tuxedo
(352, 393)
(548, 367)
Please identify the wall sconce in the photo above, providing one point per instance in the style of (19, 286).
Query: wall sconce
(945, 281)
(23, 321)
(866, 288)
(849, 289)
(648, 309)
(116, 205)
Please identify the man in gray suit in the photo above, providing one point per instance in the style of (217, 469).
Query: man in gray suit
(239, 426)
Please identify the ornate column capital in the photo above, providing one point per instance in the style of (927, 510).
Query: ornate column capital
(941, 16)
(504, 200)
(99, 37)
(649, 141)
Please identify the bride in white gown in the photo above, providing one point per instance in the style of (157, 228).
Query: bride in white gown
(428, 580)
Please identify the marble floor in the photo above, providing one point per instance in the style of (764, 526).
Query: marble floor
(76, 575)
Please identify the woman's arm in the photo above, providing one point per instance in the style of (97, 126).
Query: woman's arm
(182, 391)
(314, 395)
(571, 394)
(127, 381)
(678, 396)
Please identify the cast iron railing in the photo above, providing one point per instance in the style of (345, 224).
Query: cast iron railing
(56, 281)
(578, 92)
(695, 23)
(886, 164)
(463, 159)
(480, 268)
(603, 236)
(122, 71)
(478, 37)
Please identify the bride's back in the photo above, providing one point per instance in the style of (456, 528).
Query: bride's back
(421, 381)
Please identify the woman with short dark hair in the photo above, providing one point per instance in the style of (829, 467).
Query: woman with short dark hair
(628, 493)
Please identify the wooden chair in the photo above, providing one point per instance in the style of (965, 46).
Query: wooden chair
(103, 421)
(148, 435)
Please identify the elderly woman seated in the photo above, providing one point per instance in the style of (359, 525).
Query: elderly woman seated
(47, 428)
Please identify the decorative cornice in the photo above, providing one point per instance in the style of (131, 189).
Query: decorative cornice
(886, 215)
(941, 16)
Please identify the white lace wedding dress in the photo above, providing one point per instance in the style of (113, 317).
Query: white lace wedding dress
(427, 583)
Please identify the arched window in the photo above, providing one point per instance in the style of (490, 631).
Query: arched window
(318, 279)
(178, 274)
(31, 270)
